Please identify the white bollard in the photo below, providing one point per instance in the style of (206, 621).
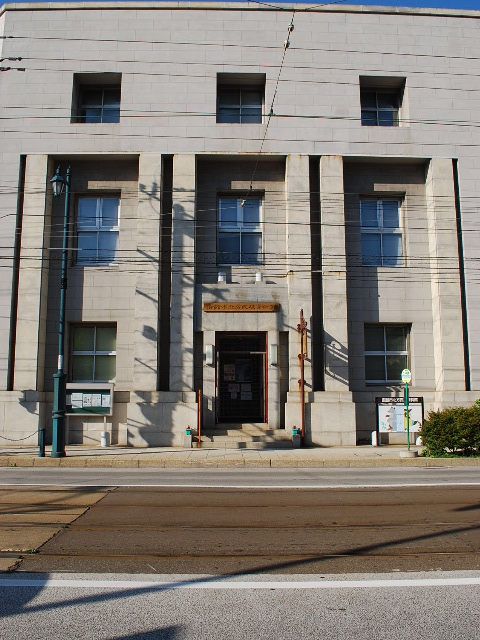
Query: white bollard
(374, 439)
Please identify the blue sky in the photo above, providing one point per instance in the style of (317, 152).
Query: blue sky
(447, 4)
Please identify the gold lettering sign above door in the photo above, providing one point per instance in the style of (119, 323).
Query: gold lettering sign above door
(241, 307)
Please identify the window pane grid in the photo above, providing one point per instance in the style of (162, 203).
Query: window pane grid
(239, 105)
(240, 232)
(98, 230)
(95, 364)
(384, 366)
(382, 237)
(99, 105)
(379, 109)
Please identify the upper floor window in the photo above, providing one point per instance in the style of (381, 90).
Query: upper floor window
(99, 104)
(240, 98)
(382, 238)
(96, 98)
(239, 231)
(386, 353)
(381, 101)
(94, 353)
(97, 230)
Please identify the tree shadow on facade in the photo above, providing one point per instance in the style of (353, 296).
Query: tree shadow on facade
(336, 360)
(160, 414)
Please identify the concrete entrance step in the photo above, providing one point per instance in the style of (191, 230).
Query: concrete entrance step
(246, 437)
(242, 444)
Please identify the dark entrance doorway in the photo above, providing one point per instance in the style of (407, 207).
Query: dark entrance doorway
(241, 377)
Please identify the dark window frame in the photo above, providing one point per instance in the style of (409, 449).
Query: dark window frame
(102, 111)
(241, 229)
(381, 100)
(95, 353)
(380, 115)
(383, 259)
(240, 98)
(96, 230)
(387, 353)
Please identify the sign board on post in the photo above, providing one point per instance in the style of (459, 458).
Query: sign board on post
(391, 414)
(406, 376)
(90, 398)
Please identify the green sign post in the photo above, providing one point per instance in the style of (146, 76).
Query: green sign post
(407, 379)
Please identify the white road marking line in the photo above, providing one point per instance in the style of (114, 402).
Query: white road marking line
(225, 584)
(190, 485)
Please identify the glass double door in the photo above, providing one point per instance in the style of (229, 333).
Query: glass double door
(241, 377)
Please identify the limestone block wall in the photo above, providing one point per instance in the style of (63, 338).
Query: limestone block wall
(233, 176)
(98, 293)
(33, 277)
(445, 277)
(411, 294)
(334, 273)
(329, 418)
(22, 413)
(182, 273)
(284, 185)
(159, 419)
(168, 106)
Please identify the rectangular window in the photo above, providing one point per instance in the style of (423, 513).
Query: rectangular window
(96, 98)
(379, 108)
(94, 353)
(240, 98)
(381, 100)
(97, 230)
(239, 231)
(386, 353)
(382, 238)
(99, 104)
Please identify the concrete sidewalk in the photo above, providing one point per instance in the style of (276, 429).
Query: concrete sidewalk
(123, 457)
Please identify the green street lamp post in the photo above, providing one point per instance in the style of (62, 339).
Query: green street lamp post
(59, 379)
(407, 379)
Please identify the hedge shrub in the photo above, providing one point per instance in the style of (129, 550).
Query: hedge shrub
(455, 430)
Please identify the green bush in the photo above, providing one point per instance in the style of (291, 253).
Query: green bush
(455, 430)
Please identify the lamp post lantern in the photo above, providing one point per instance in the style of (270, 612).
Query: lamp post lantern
(60, 184)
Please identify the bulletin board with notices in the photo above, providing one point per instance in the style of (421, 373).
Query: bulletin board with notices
(392, 415)
(90, 398)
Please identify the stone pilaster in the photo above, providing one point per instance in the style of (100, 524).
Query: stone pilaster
(445, 277)
(334, 273)
(298, 262)
(33, 276)
(183, 273)
(147, 273)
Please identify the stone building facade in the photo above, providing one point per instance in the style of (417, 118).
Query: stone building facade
(223, 182)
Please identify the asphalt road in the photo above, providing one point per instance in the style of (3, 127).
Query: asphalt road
(242, 478)
(411, 606)
(388, 553)
(228, 531)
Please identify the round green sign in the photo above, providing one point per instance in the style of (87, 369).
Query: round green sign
(406, 376)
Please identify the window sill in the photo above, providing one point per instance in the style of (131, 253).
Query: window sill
(95, 264)
(92, 124)
(383, 266)
(241, 124)
(384, 384)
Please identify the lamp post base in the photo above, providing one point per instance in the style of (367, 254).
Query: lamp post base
(58, 454)
(59, 407)
(408, 453)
